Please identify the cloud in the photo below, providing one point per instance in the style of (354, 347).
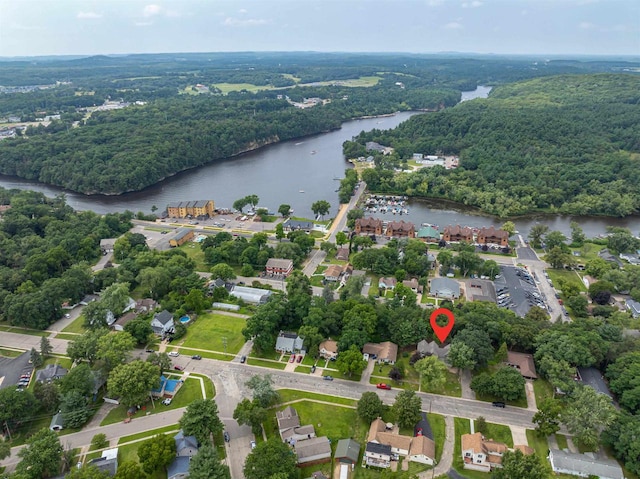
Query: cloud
(434, 3)
(586, 26)
(151, 10)
(143, 24)
(453, 26)
(88, 15)
(242, 10)
(250, 22)
(473, 4)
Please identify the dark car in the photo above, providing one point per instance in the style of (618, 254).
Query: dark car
(178, 368)
(498, 404)
(313, 369)
(196, 356)
(327, 378)
(149, 351)
(227, 438)
(243, 359)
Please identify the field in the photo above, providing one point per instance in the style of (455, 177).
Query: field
(77, 326)
(210, 331)
(194, 252)
(570, 277)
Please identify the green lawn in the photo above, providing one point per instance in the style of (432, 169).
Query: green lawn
(210, 330)
(538, 443)
(130, 453)
(10, 353)
(570, 277)
(451, 387)
(266, 364)
(67, 336)
(542, 390)
(19, 330)
(153, 432)
(438, 428)
(207, 354)
(225, 88)
(499, 433)
(77, 326)
(269, 354)
(287, 395)
(461, 426)
(561, 439)
(209, 388)
(194, 252)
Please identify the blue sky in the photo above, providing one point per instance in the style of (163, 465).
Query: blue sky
(88, 27)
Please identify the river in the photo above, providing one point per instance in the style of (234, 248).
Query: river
(298, 173)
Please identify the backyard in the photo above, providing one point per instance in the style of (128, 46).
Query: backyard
(215, 332)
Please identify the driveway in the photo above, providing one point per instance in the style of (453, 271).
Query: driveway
(519, 435)
(465, 384)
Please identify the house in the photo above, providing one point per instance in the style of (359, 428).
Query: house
(289, 342)
(388, 434)
(182, 236)
(481, 290)
(377, 455)
(479, 454)
(493, 236)
(633, 307)
(432, 349)
(444, 288)
(57, 423)
(457, 233)
(428, 234)
(296, 434)
(423, 450)
(342, 254)
(250, 295)
(179, 468)
(287, 419)
(368, 226)
(584, 465)
(108, 462)
(298, 225)
(413, 285)
(373, 146)
(146, 305)
(333, 273)
(279, 266)
(313, 451)
(386, 352)
(185, 445)
(50, 373)
(387, 283)
(162, 323)
(400, 229)
(107, 244)
(347, 452)
(523, 363)
(328, 349)
(89, 298)
(122, 321)
(593, 377)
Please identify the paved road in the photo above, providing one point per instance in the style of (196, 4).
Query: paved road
(26, 342)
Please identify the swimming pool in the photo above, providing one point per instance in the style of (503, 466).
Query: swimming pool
(185, 319)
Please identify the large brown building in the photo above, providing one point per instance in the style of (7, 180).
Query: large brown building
(369, 226)
(191, 208)
(493, 236)
(182, 236)
(401, 229)
(457, 233)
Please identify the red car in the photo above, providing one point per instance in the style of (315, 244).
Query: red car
(292, 358)
(178, 368)
(299, 359)
(383, 386)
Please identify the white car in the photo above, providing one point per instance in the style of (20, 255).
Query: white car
(166, 402)
(253, 444)
(174, 354)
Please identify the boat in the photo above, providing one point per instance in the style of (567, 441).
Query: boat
(313, 152)
(301, 191)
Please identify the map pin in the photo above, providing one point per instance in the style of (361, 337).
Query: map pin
(442, 332)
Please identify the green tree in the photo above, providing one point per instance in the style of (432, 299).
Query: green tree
(479, 341)
(85, 347)
(270, 458)
(16, 406)
(45, 347)
(578, 305)
(516, 464)
(577, 235)
(536, 233)
(509, 227)
(78, 379)
(247, 270)
(622, 436)
(223, 271)
(406, 408)
(74, 409)
(252, 200)
(280, 232)
(41, 456)
(162, 360)
(206, 465)
(624, 380)
(320, 207)
(547, 418)
(350, 362)
(370, 406)
(201, 420)
(36, 358)
(250, 413)
(88, 471)
(114, 348)
(586, 415)
(48, 395)
(239, 204)
(557, 258)
(556, 239)
(341, 238)
(133, 382)
(99, 441)
(139, 329)
(130, 470)
(481, 425)
(445, 260)
(157, 453)
(432, 371)
(262, 388)
(461, 356)
(284, 209)
(5, 449)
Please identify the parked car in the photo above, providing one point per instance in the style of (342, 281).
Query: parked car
(498, 404)
(166, 402)
(313, 369)
(299, 359)
(196, 356)
(327, 378)
(149, 351)
(174, 354)
(253, 444)
(292, 358)
(383, 386)
(67, 315)
(243, 359)
(227, 438)
(178, 368)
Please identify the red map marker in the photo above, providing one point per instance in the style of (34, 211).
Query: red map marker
(442, 331)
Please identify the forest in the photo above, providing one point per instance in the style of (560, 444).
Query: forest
(566, 144)
(113, 152)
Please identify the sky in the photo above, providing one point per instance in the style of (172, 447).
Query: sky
(91, 27)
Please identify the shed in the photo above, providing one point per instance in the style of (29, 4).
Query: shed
(57, 423)
(584, 465)
(347, 451)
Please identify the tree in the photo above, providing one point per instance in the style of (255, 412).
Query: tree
(445, 260)
(263, 392)
(36, 358)
(624, 380)
(114, 348)
(5, 449)
(341, 238)
(433, 372)
(536, 233)
(481, 425)
(508, 384)
(622, 436)
(48, 395)
(396, 373)
(578, 305)
(252, 200)
(240, 204)
(201, 420)
(78, 379)
(284, 209)
(280, 232)
(223, 271)
(206, 465)
(547, 419)
(162, 360)
(16, 406)
(139, 329)
(45, 347)
(157, 453)
(461, 356)
(270, 458)
(509, 227)
(250, 413)
(74, 409)
(350, 362)
(407, 409)
(586, 415)
(41, 457)
(370, 406)
(133, 382)
(479, 341)
(130, 470)
(577, 235)
(85, 347)
(320, 207)
(88, 471)
(556, 239)
(99, 441)
(517, 464)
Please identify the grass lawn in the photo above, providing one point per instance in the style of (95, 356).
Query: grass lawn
(373, 473)
(189, 392)
(461, 426)
(270, 354)
(209, 330)
(77, 326)
(153, 432)
(194, 252)
(303, 369)
(450, 388)
(67, 336)
(207, 354)
(130, 453)
(542, 390)
(569, 277)
(209, 388)
(438, 428)
(225, 88)
(539, 444)
(64, 362)
(287, 395)
(10, 353)
(588, 252)
(338, 375)
(266, 364)
(30, 332)
(561, 439)
(499, 433)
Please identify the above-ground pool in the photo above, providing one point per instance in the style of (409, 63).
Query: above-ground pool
(185, 319)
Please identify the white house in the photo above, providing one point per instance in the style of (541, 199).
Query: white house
(162, 323)
(584, 465)
(377, 455)
(423, 450)
(481, 455)
(328, 349)
(288, 342)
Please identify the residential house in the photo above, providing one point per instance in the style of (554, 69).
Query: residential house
(388, 434)
(50, 373)
(428, 234)
(633, 307)
(492, 235)
(146, 305)
(479, 454)
(57, 423)
(368, 226)
(289, 342)
(294, 435)
(400, 229)
(298, 225)
(342, 254)
(251, 295)
(347, 452)
(373, 146)
(423, 450)
(108, 462)
(185, 445)
(444, 288)
(413, 285)
(584, 465)
(287, 419)
(181, 237)
(377, 455)
(179, 468)
(386, 352)
(89, 298)
(333, 273)
(313, 451)
(593, 377)
(523, 363)
(432, 349)
(387, 283)
(107, 244)
(162, 323)
(122, 321)
(279, 266)
(328, 349)
(457, 234)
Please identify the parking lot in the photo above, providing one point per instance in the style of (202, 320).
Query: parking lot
(516, 289)
(12, 370)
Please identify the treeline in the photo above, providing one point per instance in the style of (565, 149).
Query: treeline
(565, 144)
